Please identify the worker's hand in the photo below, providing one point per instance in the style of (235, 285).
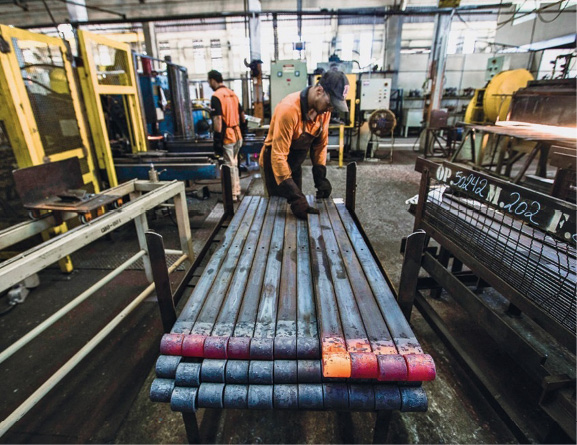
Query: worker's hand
(323, 185)
(298, 202)
(301, 208)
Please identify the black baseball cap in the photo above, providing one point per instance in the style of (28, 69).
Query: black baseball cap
(337, 85)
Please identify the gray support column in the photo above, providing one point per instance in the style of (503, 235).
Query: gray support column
(150, 40)
(335, 33)
(254, 8)
(77, 11)
(275, 35)
(438, 57)
(392, 46)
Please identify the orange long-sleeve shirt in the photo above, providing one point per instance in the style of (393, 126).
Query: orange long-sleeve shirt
(286, 126)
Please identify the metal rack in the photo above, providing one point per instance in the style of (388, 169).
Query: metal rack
(521, 244)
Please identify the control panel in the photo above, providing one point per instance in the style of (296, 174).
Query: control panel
(286, 76)
(375, 94)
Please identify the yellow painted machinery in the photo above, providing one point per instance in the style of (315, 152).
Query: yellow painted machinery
(491, 104)
(108, 80)
(39, 102)
(41, 119)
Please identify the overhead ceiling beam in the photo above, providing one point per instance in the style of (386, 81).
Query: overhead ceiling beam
(492, 9)
(21, 4)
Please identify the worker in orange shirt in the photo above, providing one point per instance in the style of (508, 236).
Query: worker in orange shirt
(229, 126)
(299, 125)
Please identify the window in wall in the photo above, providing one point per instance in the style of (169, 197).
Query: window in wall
(417, 37)
(347, 42)
(365, 49)
(523, 11)
(316, 56)
(553, 61)
(199, 56)
(216, 55)
(471, 37)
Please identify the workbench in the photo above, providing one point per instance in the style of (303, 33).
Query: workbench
(289, 314)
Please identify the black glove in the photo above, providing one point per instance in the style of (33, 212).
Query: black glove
(322, 184)
(243, 129)
(217, 143)
(298, 202)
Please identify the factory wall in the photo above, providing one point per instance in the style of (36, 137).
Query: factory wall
(461, 70)
(537, 28)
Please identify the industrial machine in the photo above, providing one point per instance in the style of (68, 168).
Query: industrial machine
(40, 107)
(165, 98)
(491, 103)
(41, 118)
(112, 100)
(119, 111)
(375, 94)
(376, 119)
(540, 127)
(382, 124)
(286, 76)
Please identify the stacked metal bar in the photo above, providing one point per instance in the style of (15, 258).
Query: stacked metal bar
(292, 314)
(541, 267)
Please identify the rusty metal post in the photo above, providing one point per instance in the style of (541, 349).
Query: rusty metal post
(351, 188)
(410, 271)
(225, 177)
(161, 280)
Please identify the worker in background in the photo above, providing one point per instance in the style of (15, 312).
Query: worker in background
(299, 125)
(229, 126)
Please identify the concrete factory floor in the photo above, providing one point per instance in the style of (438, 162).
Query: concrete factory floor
(105, 398)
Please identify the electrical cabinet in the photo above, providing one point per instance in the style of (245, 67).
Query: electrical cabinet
(286, 76)
(375, 94)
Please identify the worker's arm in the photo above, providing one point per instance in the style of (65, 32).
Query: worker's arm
(218, 134)
(241, 116)
(243, 123)
(217, 124)
(281, 141)
(216, 114)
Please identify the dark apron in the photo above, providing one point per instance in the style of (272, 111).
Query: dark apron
(297, 154)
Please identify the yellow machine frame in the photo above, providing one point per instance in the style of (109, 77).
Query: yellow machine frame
(91, 76)
(21, 123)
(18, 115)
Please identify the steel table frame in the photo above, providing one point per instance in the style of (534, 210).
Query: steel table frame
(144, 196)
(167, 301)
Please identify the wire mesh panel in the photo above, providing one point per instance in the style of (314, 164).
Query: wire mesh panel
(44, 76)
(525, 238)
